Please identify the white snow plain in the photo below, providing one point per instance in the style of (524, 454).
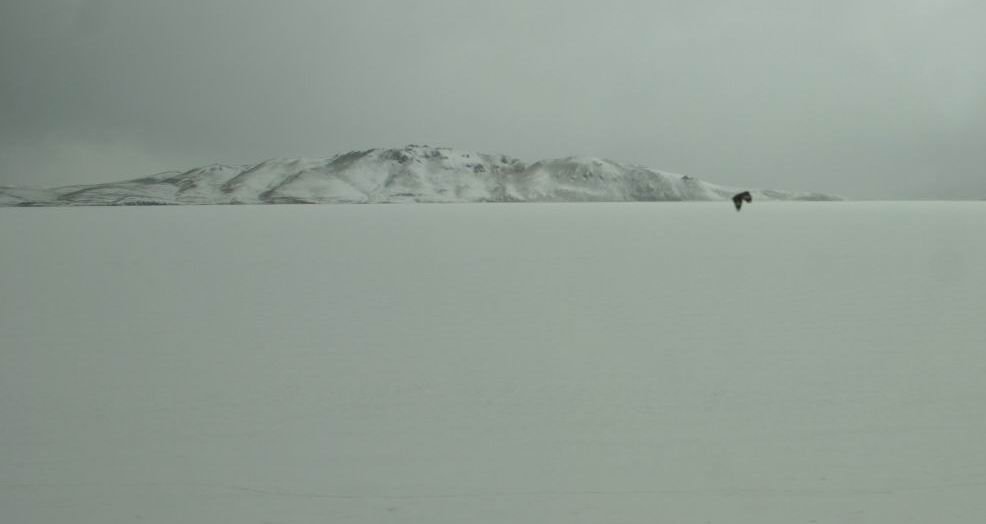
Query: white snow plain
(523, 363)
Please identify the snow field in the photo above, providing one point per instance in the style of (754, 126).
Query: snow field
(543, 363)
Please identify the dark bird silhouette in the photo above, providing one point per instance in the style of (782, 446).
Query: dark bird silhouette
(739, 198)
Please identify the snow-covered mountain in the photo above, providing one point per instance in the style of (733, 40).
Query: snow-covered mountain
(411, 174)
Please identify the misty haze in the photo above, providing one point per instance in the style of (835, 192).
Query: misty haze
(658, 262)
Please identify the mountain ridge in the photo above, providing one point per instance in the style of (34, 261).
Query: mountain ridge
(409, 174)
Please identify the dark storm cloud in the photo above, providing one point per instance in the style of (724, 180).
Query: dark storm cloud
(867, 99)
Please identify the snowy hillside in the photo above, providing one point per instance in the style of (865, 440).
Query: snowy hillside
(411, 174)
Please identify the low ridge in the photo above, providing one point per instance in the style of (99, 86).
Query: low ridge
(410, 174)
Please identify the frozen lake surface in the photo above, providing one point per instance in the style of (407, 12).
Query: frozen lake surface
(593, 363)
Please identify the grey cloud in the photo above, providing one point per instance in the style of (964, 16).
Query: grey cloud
(875, 100)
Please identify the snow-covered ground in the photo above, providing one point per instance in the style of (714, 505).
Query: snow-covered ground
(536, 363)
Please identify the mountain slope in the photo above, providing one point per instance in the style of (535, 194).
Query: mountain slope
(411, 174)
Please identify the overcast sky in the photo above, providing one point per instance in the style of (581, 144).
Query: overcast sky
(869, 99)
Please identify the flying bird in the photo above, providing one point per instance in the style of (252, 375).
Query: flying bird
(739, 198)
